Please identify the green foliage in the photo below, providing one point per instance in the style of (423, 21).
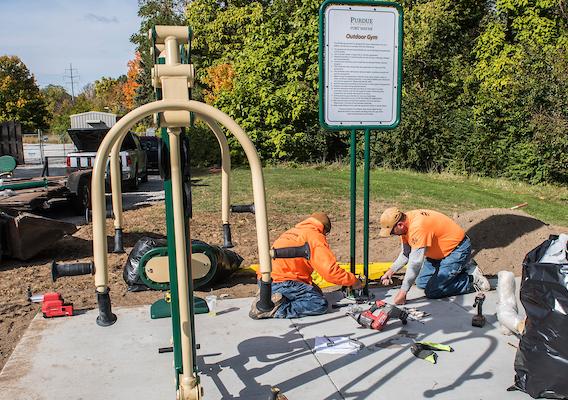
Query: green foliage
(272, 49)
(484, 83)
(20, 97)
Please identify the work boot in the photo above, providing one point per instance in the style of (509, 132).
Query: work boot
(480, 282)
(255, 313)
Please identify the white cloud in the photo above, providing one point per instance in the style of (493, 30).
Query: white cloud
(101, 18)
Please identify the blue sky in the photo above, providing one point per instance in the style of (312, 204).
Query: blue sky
(48, 35)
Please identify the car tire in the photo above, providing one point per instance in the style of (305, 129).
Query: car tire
(144, 179)
(81, 200)
(134, 184)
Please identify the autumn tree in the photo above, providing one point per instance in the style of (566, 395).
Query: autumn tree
(131, 84)
(20, 97)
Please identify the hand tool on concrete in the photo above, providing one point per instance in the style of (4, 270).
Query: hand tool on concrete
(478, 320)
(426, 350)
(415, 314)
(368, 319)
(276, 394)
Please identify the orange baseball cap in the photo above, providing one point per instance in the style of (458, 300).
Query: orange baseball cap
(389, 218)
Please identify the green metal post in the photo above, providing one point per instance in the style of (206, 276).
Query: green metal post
(172, 265)
(366, 210)
(353, 198)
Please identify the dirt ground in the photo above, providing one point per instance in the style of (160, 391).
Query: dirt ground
(500, 238)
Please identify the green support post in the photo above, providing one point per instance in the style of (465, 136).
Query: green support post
(353, 198)
(366, 185)
(172, 265)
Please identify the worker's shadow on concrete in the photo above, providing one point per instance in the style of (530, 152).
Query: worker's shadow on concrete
(399, 337)
(500, 231)
(395, 363)
(267, 351)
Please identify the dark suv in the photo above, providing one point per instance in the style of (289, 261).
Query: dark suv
(150, 145)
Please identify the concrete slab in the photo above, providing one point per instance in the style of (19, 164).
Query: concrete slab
(240, 358)
(481, 367)
(73, 358)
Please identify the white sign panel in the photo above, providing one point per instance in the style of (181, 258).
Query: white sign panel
(361, 65)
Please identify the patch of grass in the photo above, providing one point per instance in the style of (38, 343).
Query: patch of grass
(303, 189)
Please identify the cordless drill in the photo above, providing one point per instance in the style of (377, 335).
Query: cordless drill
(368, 319)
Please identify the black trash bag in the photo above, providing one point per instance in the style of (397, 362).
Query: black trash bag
(130, 273)
(227, 262)
(541, 362)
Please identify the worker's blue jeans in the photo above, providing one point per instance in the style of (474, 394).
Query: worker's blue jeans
(448, 276)
(300, 299)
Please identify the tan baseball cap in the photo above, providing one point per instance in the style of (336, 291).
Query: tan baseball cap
(324, 219)
(389, 219)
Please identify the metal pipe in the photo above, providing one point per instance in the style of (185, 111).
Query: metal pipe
(115, 185)
(225, 167)
(183, 253)
(353, 183)
(366, 185)
(116, 193)
(118, 131)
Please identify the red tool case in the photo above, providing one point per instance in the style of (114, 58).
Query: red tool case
(53, 306)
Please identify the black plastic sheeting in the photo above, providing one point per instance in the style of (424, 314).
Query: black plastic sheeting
(227, 262)
(541, 363)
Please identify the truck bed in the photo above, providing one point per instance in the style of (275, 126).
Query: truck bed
(34, 198)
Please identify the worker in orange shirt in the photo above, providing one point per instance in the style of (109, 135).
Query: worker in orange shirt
(294, 295)
(435, 250)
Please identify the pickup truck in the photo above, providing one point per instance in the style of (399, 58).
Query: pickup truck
(132, 156)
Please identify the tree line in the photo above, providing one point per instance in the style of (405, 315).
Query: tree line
(49, 108)
(485, 88)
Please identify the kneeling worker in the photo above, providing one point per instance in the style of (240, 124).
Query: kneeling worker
(294, 295)
(435, 250)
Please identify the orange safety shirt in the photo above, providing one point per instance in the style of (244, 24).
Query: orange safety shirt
(433, 230)
(321, 259)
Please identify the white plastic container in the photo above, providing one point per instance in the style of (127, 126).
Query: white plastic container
(212, 304)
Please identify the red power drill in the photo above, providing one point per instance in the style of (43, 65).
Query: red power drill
(368, 319)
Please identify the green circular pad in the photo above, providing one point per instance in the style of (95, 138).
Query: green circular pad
(7, 164)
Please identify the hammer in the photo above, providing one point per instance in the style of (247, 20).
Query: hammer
(478, 320)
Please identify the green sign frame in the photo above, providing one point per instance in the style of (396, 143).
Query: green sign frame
(397, 57)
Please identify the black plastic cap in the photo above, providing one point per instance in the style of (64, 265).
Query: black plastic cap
(106, 317)
(265, 303)
(227, 240)
(118, 242)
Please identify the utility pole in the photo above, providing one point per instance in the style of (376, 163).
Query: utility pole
(72, 77)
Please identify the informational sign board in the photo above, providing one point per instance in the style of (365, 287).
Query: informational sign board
(360, 64)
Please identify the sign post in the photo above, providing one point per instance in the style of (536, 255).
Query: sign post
(360, 82)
